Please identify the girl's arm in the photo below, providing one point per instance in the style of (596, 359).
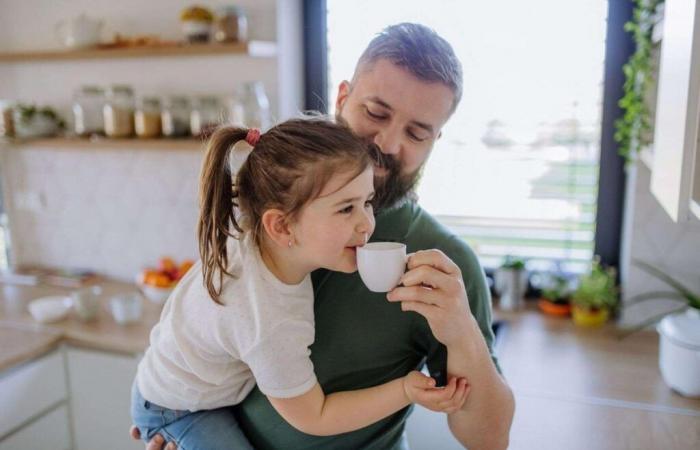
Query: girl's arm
(324, 415)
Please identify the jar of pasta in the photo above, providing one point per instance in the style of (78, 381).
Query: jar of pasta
(147, 118)
(88, 103)
(118, 112)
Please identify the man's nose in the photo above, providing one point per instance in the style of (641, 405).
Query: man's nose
(388, 141)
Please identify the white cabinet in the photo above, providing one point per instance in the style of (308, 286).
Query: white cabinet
(100, 392)
(29, 394)
(50, 431)
(675, 180)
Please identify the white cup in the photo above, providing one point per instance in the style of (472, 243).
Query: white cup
(126, 308)
(381, 265)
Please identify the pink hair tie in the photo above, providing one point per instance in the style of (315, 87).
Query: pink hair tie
(253, 137)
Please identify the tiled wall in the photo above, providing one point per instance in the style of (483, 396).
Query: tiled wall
(110, 210)
(654, 238)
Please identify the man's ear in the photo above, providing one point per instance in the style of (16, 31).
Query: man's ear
(276, 227)
(343, 92)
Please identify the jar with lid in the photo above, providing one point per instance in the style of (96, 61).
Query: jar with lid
(175, 117)
(205, 116)
(119, 112)
(147, 118)
(256, 105)
(88, 102)
(230, 25)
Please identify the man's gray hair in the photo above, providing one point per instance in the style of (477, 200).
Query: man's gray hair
(418, 49)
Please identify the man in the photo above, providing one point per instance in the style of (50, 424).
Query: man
(406, 85)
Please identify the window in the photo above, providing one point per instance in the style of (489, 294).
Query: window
(520, 156)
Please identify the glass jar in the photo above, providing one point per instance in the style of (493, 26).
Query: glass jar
(147, 118)
(175, 117)
(7, 122)
(119, 112)
(88, 102)
(230, 25)
(256, 106)
(205, 116)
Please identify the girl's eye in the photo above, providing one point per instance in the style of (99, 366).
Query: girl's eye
(368, 204)
(347, 210)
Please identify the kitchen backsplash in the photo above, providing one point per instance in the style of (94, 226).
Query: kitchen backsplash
(114, 211)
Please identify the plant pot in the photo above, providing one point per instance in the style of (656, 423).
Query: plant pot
(511, 285)
(586, 317)
(551, 308)
(679, 352)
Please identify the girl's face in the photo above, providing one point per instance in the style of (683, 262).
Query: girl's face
(332, 226)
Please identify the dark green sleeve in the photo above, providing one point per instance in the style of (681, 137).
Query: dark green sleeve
(479, 302)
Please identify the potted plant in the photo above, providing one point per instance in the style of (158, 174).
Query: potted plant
(556, 297)
(595, 296)
(679, 331)
(511, 283)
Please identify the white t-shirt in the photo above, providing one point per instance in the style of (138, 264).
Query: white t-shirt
(203, 355)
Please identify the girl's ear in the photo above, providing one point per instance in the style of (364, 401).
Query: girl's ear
(278, 230)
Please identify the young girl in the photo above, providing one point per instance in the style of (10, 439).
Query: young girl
(300, 200)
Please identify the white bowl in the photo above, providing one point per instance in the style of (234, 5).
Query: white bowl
(50, 309)
(157, 295)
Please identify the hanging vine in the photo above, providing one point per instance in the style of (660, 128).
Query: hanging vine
(633, 129)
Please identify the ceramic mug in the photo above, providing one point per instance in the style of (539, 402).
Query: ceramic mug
(381, 265)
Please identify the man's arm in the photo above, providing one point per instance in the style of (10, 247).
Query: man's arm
(434, 288)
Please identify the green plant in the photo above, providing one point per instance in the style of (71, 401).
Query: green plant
(597, 289)
(27, 112)
(558, 290)
(514, 263)
(633, 129)
(680, 294)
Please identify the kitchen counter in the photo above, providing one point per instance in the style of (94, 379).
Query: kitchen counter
(23, 338)
(581, 388)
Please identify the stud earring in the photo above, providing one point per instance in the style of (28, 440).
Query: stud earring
(289, 244)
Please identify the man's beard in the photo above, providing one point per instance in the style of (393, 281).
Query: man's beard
(393, 188)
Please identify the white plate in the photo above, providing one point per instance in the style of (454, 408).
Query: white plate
(50, 309)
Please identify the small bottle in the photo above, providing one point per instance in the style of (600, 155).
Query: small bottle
(119, 112)
(175, 117)
(88, 103)
(147, 118)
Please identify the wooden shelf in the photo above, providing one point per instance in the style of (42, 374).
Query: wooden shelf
(257, 49)
(102, 143)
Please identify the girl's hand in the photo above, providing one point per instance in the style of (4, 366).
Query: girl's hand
(421, 389)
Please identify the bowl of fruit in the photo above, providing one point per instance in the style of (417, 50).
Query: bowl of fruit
(158, 283)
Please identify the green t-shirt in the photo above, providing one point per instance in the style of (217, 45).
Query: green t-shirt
(363, 340)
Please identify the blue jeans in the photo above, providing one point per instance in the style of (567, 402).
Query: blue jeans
(214, 429)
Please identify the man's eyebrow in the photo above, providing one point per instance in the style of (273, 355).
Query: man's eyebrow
(426, 126)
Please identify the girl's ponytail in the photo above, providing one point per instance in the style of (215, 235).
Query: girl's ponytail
(217, 202)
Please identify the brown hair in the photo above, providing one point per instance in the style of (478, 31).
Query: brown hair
(289, 166)
(421, 51)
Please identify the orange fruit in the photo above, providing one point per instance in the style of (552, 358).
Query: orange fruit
(166, 264)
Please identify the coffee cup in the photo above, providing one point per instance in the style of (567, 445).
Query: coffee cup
(381, 265)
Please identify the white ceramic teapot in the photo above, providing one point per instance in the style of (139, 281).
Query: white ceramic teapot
(79, 32)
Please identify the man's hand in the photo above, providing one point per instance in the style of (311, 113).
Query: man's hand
(154, 444)
(433, 287)
(421, 389)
